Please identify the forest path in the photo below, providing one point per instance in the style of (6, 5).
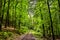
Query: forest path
(19, 37)
(25, 37)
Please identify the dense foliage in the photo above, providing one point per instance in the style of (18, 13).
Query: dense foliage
(40, 17)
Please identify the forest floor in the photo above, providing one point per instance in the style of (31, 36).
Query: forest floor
(16, 36)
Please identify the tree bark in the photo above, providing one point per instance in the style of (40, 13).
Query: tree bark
(0, 15)
(15, 13)
(43, 26)
(59, 4)
(51, 23)
(3, 10)
(59, 9)
(7, 16)
(19, 14)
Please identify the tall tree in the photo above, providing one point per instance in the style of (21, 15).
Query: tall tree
(59, 4)
(15, 13)
(0, 15)
(7, 16)
(43, 26)
(59, 9)
(20, 13)
(51, 23)
(42, 23)
(3, 10)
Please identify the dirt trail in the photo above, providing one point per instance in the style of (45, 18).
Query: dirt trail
(25, 37)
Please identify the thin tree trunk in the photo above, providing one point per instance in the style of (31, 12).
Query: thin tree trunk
(59, 9)
(43, 26)
(59, 14)
(0, 15)
(7, 16)
(51, 23)
(3, 10)
(43, 23)
(19, 14)
(15, 14)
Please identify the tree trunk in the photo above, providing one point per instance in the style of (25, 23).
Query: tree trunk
(43, 26)
(59, 13)
(19, 14)
(51, 23)
(0, 15)
(15, 13)
(59, 8)
(7, 16)
(3, 11)
(59, 3)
